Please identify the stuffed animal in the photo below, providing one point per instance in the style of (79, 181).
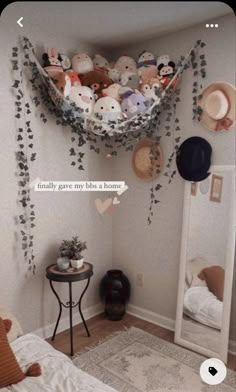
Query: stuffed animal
(82, 63)
(52, 63)
(126, 63)
(11, 372)
(114, 74)
(133, 103)
(129, 79)
(150, 88)
(75, 80)
(163, 59)
(166, 72)
(146, 73)
(147, 66)
(63, 83)
(65, 62)
(84, 99)
(96, 80)
(100, 62)
(112, 91)
(108, 109)
(146, 59)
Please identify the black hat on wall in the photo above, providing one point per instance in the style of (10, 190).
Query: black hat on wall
(193, 159)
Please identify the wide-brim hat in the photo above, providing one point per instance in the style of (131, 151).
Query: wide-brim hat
(193, 159)
(147, 159)
(218, 106)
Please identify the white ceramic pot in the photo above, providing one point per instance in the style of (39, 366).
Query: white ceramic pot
(77, 263)
(63, 263)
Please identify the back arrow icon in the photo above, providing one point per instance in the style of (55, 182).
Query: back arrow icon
(19, 22)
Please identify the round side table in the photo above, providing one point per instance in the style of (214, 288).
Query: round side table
(53, 274)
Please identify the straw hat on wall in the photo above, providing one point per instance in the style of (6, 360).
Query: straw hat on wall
(144, 163)
(218, 106)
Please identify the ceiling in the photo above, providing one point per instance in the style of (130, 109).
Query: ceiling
(115, 23)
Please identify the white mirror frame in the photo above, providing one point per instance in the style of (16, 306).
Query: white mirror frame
(229, 268)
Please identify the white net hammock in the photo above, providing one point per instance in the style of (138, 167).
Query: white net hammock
(71, 114)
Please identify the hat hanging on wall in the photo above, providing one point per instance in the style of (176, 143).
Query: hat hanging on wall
(218, 106)
(144, 163)
(193, 159)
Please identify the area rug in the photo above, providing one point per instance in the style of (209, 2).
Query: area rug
(136, 361)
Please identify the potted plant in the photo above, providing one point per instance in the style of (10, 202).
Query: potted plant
(72, 251)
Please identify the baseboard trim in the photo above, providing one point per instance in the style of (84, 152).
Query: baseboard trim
(152, 317)
(163, 321)
(47, 331)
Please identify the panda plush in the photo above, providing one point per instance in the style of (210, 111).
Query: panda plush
(166, 72)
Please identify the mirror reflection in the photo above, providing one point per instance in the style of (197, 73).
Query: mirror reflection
(207, 241)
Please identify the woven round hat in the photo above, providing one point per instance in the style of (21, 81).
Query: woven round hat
(218, 107)
(147, 160)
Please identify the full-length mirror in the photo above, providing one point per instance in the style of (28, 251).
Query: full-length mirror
(206, 265)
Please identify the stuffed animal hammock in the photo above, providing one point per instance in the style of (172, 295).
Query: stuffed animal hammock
(71, 113)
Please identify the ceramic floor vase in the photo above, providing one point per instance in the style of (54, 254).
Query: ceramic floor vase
(115, 293)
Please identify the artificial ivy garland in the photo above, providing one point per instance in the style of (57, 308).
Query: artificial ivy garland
(25, 156)
(113, 135)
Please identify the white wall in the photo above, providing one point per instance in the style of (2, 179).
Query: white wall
(155, 250)
(58, 215)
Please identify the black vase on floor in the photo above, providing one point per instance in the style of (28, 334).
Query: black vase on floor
(115, 293)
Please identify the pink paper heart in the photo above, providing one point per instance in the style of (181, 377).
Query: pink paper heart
(102, 206)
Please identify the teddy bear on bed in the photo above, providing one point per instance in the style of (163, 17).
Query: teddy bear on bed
(11, 372)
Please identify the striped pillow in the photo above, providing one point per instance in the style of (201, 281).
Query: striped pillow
(10, 371)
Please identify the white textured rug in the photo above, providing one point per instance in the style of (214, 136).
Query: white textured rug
(136, 361)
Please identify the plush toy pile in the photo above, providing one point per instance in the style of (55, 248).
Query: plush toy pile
(106, 91)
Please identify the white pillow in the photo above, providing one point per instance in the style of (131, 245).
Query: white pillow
(16, 329)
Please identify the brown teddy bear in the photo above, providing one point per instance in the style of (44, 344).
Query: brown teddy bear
(97, 81)
(11, 372)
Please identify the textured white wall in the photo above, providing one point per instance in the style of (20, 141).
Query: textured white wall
(59, 215)
(155, 250)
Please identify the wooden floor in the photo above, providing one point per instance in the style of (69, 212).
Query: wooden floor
(100, 328)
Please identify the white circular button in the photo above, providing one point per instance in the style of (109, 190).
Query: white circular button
(213, 371)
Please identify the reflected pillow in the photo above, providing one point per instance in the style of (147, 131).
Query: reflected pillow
(214, 277)
(16, 329)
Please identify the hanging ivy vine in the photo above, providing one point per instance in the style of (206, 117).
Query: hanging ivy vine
(25, 156)
(114, 135)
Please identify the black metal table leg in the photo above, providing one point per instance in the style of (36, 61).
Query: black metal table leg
(71, 322)
(79, 305)
(60, 310)
(69, 276)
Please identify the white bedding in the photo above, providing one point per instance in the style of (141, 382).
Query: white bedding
(203, 306)
(58, 372)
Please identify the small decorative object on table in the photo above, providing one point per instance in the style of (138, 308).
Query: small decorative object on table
(71, 250)
(63, 263)
(115, 293)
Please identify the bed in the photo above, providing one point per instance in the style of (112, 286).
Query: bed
(58, 372)
(200, 304)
